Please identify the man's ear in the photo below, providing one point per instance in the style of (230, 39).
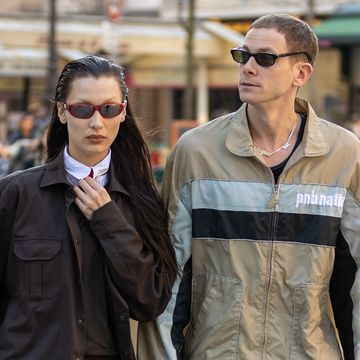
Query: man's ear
(303, 73)
(61, 112)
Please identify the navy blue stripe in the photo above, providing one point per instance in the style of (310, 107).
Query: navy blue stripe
(299, 228)
(224, 224)
(308, 229)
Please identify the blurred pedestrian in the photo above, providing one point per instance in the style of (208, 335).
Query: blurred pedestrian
(39, 152)
(354, 124)
(84, 243)
(22, 142)
(41, 115)
(24, 130)
(4, 160)
(264, 207)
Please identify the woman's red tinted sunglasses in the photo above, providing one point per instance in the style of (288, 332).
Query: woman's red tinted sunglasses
(86, 111)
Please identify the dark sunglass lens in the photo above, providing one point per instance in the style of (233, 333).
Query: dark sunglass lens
(243, 56)
(110, 110)
(239, 56)
(234, 55)
(265, 60)
(81, 111)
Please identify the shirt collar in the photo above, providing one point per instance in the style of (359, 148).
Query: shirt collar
(55, 174)
(76, 170)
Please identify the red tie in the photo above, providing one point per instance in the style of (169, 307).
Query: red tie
(91, 173)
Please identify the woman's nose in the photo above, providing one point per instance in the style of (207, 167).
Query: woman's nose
(96, 121)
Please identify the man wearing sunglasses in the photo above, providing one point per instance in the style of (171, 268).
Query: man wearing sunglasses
(264, 208)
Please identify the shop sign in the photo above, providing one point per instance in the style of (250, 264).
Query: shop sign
(22, 67)
(89, 44)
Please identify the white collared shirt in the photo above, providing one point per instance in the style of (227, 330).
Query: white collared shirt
(76, 171)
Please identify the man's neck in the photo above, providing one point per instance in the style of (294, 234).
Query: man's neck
(271, 124)
(274, 131)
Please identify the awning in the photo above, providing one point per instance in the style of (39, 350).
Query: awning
(71, 54)
(223, 32)
(342, 30)
(30, 62)
(22, 62)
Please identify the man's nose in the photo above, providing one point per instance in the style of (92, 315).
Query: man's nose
(250, 66)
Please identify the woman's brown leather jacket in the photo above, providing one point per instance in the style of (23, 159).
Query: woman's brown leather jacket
(68, 285)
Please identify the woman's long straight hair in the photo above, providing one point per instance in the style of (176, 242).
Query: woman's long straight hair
(130, 158)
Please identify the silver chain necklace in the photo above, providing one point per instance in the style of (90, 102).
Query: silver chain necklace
(282, 147)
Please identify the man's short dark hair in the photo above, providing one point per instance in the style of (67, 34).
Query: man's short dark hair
(298, 34)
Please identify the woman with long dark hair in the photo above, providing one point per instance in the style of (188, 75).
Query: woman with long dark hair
(84, 242)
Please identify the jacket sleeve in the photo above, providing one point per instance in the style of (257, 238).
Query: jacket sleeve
(134, 270)
(164, 337)
(6, 220)
(3, 255)
(350, 231)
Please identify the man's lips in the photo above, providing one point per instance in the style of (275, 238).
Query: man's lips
(248, 83)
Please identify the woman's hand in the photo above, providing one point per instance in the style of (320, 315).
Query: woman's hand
(90, 196)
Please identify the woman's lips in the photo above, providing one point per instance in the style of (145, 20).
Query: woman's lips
(95, 138)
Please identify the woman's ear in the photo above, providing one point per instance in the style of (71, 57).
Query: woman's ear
(61, 112)
(123, 115)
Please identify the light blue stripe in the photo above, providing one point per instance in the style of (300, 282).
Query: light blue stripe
(230, 195)
(312, 199)
(252, 196)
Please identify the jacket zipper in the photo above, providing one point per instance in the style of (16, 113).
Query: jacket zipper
(273, 203)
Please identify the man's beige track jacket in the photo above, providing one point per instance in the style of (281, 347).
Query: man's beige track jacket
(270, 271)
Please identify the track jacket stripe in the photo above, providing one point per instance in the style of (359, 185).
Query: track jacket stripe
(294, 228)
(350, 226)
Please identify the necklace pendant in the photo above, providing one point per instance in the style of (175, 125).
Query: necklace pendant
(265, 153)
(285, 146)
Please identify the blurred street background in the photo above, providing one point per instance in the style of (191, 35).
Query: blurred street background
(177, 60)
(176, 54)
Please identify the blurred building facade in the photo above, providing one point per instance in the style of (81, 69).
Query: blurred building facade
(341, 31)
(149, 39)
(334, 89)
(251, 9)
(151, 49)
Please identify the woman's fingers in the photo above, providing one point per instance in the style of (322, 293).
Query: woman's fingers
(90, 196)
(87, 212)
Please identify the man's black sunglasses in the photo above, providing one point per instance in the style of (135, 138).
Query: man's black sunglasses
(242, 56)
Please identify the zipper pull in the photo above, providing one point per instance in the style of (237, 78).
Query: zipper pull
(274, 199)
